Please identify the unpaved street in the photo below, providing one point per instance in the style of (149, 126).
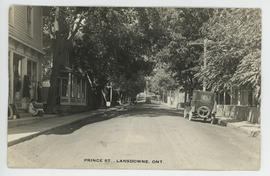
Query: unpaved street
(154, 134)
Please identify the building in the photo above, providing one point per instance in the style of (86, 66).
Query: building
(25, 51)
(238, 103)
(72, 88)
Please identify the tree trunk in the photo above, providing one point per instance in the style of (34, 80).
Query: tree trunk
(185, 95)
(61, 49)
(53, 94)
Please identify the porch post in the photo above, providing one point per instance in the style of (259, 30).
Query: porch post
(69, 87)
(231, 96)
(218, 94)
(224, 97)
(204, 61)
(81, 91)
(239, 96)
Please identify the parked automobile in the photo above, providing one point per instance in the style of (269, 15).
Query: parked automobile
(201, 106)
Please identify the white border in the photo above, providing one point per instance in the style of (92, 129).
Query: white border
(263, 4)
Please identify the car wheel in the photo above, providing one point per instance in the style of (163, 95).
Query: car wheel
(203, 111)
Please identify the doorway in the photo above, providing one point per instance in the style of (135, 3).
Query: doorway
(17, 79)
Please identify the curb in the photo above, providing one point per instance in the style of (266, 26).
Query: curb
(251, 131)
(31, 136)
(26, 121)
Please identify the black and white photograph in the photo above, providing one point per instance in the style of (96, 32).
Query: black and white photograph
(141, 88)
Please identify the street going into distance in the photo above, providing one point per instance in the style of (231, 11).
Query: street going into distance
(141, 136)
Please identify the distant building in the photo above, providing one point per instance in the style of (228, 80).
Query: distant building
(25, 51)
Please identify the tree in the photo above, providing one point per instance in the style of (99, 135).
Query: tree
(233, 56)
(107, 44)
(61, 24)
(180, 27)
(161, 79)
(115, 45)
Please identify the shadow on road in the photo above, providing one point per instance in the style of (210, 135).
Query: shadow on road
(153, 111)
(139, 110)
(70, 128)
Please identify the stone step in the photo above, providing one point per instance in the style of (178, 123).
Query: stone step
(23, 113)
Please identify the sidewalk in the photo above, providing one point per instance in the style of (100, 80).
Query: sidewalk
(251, 129)
(17, 134)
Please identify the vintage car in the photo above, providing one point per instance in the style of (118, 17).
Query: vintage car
(202, 106)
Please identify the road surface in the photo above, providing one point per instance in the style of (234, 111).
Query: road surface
(146, 136)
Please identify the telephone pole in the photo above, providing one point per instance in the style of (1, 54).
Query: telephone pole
(204, 43)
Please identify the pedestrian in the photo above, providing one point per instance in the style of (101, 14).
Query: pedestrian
(36, 109)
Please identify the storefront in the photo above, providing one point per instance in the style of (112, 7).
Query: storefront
(24, 74)
(25, 52)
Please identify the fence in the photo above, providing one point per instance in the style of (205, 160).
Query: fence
(241, 113)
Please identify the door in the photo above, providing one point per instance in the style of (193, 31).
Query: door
(17, 79)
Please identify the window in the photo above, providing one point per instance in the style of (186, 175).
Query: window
(29, 18)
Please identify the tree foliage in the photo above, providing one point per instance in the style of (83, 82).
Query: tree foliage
(124, 45)
(233, 52)
(180, 27)
(116, 44)
(109, 44)
(162, 79)
(61, 24)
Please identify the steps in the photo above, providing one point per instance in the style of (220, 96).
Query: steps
(23, 113)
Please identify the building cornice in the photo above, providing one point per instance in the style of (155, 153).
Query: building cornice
(24, 43)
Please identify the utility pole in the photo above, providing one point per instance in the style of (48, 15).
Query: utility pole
(204, 43)
(204, 61)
